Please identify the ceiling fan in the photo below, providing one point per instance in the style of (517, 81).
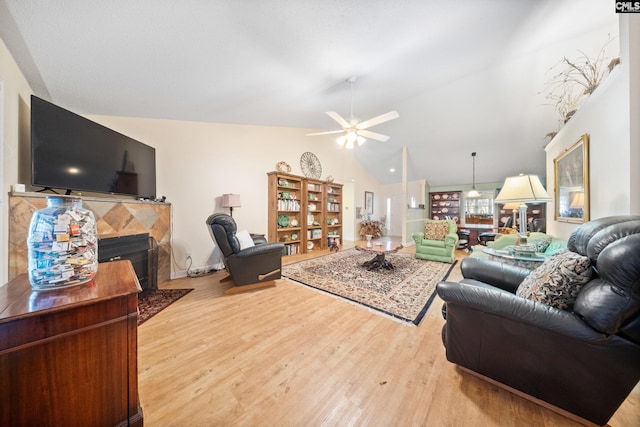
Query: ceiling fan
(355, 131)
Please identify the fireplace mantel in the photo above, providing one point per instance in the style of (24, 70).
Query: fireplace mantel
(114, 217)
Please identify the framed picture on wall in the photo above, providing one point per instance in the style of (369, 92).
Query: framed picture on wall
(368, 202)
(571, 171)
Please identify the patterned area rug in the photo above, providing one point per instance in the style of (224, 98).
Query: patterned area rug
(152, 302)
(404, 293)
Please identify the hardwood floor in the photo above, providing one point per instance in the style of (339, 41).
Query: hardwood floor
(291, 356)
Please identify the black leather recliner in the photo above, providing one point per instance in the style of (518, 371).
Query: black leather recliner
(585, 361)
(256, 264)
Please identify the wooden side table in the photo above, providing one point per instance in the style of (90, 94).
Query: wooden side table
(69, 356)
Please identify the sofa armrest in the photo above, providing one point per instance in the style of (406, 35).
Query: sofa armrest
(418, 237)
(499, 274)
(451, 239)
(497, 302)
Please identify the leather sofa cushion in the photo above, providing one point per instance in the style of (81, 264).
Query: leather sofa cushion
(436, 230)
(558, 280)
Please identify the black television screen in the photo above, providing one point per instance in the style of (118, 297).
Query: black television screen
(71, 152)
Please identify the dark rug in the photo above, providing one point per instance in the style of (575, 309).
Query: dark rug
(404, 293)
(152, 302)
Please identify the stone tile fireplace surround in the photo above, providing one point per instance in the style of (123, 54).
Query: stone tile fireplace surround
(114, 217)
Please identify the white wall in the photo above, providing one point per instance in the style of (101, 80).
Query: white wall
(16, 93)
(198, 162)
(607, 117)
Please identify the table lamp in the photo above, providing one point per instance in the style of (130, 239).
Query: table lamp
(522, 189)
(577, 202)
(513, 207)
(231, 201)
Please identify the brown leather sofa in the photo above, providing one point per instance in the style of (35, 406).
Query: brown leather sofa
(584, 360)
(255, 264)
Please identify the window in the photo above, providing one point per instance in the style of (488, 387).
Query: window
(482, 206)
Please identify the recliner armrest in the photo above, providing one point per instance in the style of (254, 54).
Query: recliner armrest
(499, 274)
(258, 239)
(262, 249)
(501, 303)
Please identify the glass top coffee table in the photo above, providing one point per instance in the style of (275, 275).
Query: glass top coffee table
(380, 248)
(530, 261)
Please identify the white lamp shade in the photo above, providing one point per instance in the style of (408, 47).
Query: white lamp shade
(577, 200)
(231, 201)
(523, 188)
(511, 206)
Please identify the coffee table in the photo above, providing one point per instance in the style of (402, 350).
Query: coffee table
(380, 248)
(531, 262)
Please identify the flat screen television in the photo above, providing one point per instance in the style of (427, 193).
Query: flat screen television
(73, 153)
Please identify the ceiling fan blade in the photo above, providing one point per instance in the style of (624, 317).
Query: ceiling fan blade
(377, 120)
(373, 135)
(325, 133)
(338, 118)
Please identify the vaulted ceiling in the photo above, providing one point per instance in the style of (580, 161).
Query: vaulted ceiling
(464, 75)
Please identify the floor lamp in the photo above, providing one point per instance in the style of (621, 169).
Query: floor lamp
(523, 189)
(231, 201)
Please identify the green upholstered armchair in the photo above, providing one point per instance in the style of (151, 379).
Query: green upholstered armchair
(438, 241)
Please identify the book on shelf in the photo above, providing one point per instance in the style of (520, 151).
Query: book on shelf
(291, 249)
(288, 205)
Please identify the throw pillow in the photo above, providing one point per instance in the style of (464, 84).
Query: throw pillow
(436, 230)
(542, 244)
(245, 239)
(558, 280)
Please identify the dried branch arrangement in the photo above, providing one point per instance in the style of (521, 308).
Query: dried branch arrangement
(575, 79)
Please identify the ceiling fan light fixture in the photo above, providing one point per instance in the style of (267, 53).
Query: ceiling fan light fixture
(354, 130)
(351, 137)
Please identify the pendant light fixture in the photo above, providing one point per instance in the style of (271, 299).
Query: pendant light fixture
(473, 193)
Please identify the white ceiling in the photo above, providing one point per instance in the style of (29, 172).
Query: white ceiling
(464, 75)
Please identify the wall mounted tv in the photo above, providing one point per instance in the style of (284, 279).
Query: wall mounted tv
(72, 153)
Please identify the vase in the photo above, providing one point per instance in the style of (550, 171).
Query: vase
(369, 244)
(62, 244)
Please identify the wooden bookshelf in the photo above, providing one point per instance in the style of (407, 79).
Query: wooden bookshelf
(303, 212)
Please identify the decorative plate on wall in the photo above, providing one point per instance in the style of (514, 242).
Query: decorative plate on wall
(310, 165)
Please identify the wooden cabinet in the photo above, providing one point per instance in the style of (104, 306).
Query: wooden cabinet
(302, 212)
(315, 214)
(286, 217)
(445, 205)
(68, 357)
(534, 211)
